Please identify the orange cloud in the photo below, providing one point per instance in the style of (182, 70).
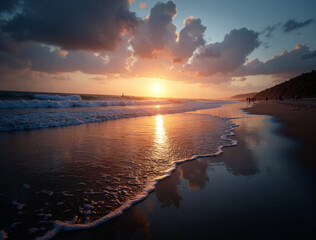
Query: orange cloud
(142, 5)
(131, 2)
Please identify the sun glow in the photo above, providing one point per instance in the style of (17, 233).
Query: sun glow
(157, 89)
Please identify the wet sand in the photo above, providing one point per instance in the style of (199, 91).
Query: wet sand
(298, 118)
(257, 190)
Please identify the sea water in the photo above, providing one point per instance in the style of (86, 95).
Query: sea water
(75, 161)
(21, 111)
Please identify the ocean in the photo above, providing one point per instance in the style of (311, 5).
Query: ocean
(74, 161)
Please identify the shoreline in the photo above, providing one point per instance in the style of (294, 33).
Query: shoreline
(232, 206)
(66, 227)
(91, 135)
(261, 186)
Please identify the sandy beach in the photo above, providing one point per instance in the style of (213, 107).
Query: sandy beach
(260, 189)
(298, 119)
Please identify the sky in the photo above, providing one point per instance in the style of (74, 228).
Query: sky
(183, 48)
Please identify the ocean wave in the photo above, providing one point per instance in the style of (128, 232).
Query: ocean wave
(12, 104)
(56, 97)
(46, 119)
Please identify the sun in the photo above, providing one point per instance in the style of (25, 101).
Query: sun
(157, 89)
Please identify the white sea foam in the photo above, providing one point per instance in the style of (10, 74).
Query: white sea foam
(45, 119)
(71, 226)
(74, 103)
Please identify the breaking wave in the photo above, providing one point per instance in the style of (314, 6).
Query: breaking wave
(44, 119)
(74, 101)
(56, 97)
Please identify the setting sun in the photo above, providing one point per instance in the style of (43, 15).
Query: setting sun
(157, 89)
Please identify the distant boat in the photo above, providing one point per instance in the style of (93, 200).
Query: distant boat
(122, 95)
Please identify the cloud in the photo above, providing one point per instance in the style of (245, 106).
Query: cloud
(190, 37)
(268, 31)
(287, 64)
(130, 2)
(226, 56)
(43, 58)
(10, 62)
(142, 5)
(101, 79)
(286, 27)
(157, 32)
(105, 38)
(6, 42)
(9, 5)
(292, 25)
(240, 79)
(309, 55)
(72, 24)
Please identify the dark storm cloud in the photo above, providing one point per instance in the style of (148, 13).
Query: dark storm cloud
(225, 56)
(292, 25)
(73, 24)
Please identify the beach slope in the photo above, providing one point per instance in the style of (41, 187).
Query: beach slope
(298, 118)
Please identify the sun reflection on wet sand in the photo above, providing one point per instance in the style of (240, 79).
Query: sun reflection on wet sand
(160, 144)
(160, 131)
